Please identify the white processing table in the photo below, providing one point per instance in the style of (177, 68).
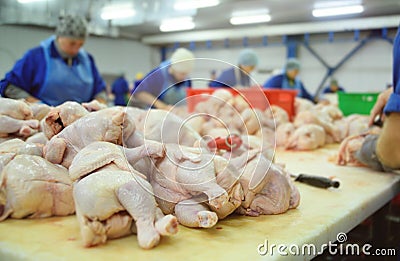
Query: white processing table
(322, 214)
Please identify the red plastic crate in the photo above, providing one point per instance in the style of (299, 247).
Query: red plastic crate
(282, 98)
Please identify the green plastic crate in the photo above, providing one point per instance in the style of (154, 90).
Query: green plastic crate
(357, 103)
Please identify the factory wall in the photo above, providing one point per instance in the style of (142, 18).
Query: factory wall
(368, 70)
(112, 56)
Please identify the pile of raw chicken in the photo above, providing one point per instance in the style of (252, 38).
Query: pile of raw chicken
(126, 170)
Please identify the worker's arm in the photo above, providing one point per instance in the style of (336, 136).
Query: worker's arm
(385, 148)
(379, 105)
(225, 79)
(101, 97)
(274, 82)
(15, 92)
(306, 95)
(151, 100)
(24, 80)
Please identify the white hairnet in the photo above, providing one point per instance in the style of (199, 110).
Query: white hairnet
(182, 60)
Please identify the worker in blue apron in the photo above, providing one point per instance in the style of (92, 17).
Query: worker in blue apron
(289, 80)
(333, 87)
(165, 85)
(381, 152)
(238, 76)
(58, 70)
(120, 89)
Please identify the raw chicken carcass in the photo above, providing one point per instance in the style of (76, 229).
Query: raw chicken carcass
(94, 105)
(255, 121)
(18, 147)
(196, 122)
(23, 128)
(277, 114)
(283, 133)
(16, 109)
(125, 205)
(319, 118)
(357, 124)
(16, 117)
(162, 126)
(331, 110)
(240, 103)
(267, 187)
(348, 148)
(188, 174)
(40, 110)
(251, 142)
(124, 199)
(38, 138)
(307, 137)
(104, 125)
(62, 116)
(31, 187)
(301, 104)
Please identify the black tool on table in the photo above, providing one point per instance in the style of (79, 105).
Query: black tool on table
(316, 181)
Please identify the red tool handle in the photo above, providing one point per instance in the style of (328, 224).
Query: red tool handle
(228, 143)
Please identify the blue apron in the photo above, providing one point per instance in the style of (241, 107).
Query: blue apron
(63, 83)
(242, 79)
(295, 86)
(172, 94)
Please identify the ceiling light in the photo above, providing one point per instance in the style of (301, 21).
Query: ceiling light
(28, 1)
(194, 4)
(344, 10)
(117, 11)
(336, 3)
(177, 24)
(250, 19)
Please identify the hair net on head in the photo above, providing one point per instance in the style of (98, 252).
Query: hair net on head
(292, 64)
(334, 82)
(72, 26)
(182, 60)
(248, 57)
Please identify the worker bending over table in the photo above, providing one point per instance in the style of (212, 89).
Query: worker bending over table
(165, 85)
(58, 70)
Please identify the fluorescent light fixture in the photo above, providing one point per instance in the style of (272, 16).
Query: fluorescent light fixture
(331, 4)
(250, 19)
(177, 24)
(29, 1)
(344, 10)
(194, 4)
(118, 11)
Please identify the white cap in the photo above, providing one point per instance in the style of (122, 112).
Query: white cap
(182, 60)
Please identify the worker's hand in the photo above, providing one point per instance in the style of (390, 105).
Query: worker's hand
(162, 106)
(168, 107)
(32, 99)
(323, 102)
(101, 100)
(379, 105)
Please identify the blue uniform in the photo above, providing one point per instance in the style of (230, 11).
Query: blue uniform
(120, 88)
(161, 84)
(393, 104)
(230, 78)
(44, 74)
(281, 81)
(328, 90)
